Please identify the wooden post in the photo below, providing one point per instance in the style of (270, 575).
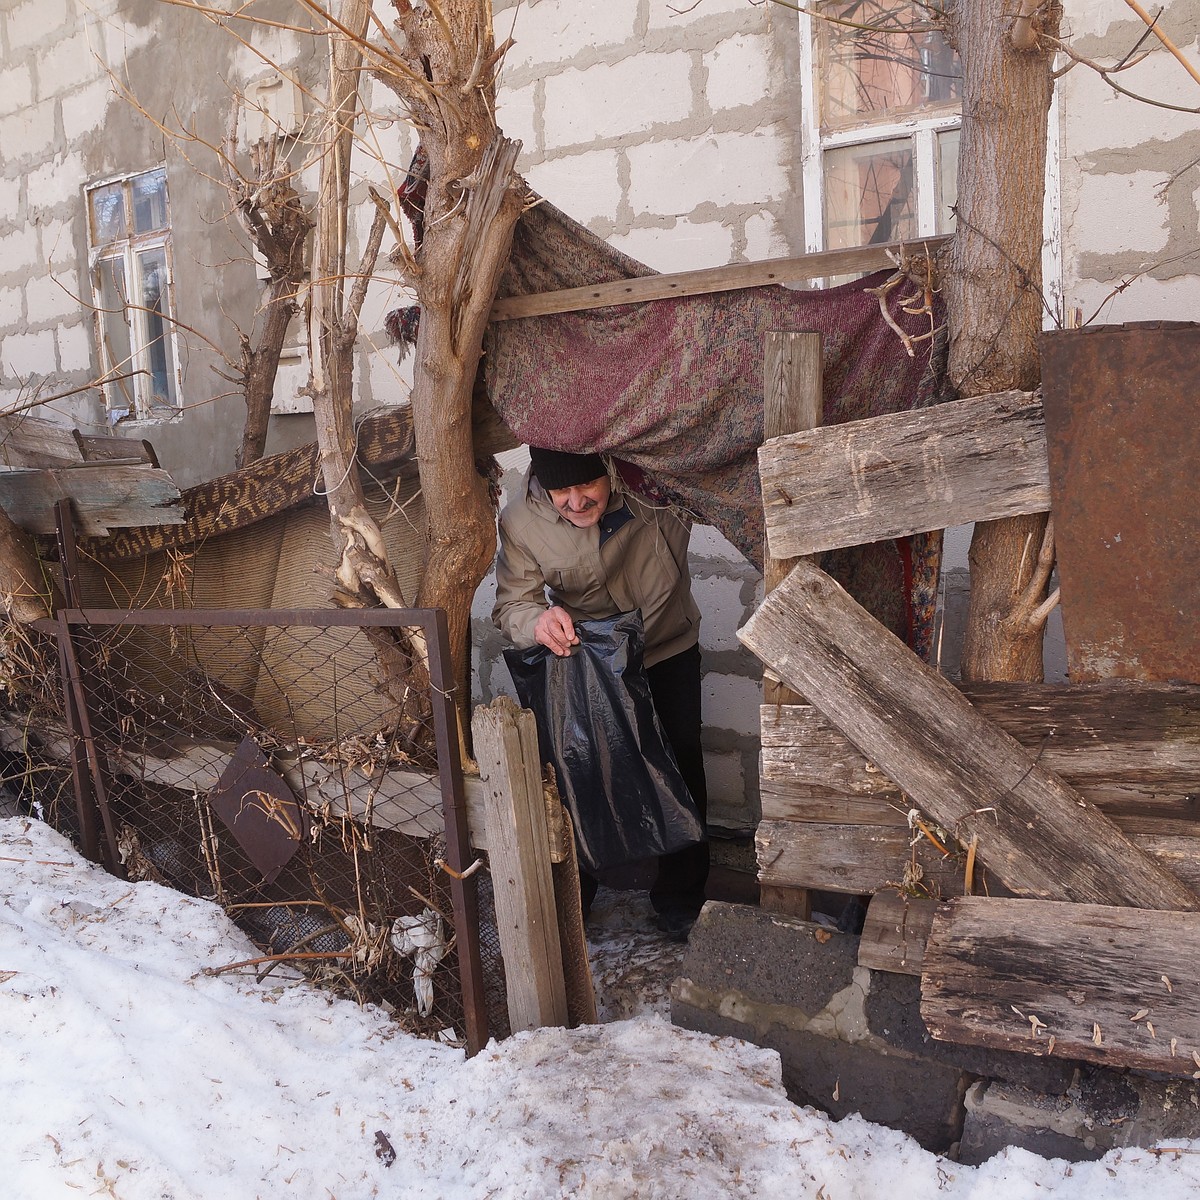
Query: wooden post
(793, 401)
(519, 857)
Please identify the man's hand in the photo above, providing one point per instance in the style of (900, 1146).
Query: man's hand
(556, 631)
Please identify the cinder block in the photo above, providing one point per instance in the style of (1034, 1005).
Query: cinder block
(23, 354)
(85, 111)
(51, 297)
(58, 181)
(555, 31)
(33, 21)
(516, 110)
(1103, 1109)
(893, 1010)
(721, 609)
(795, 987)
(732, 702)
(686, 247)
(630, 97)
(585, 186)
(677, 175)
(739, 72)
(65, 64)
(1120, 213)
(74, 346)
(668, 14)
(16, 88)
(764, 237)
(10, 308)
(18, 250)
(29, 132)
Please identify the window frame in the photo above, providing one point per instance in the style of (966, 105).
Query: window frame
(921, 129)
(127, 387)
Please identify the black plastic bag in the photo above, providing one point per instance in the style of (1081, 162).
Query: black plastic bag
(597, 726)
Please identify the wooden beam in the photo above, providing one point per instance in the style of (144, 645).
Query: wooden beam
(1132, 749)
(804, 268)
(895, 932)
(1102, 984)
(905, 473)
(103, 497)
(526, 919)
(1037, 835)
(863, 859)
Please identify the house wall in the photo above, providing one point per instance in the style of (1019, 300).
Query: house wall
(671, 129)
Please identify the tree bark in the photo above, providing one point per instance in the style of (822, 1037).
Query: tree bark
(994, 303)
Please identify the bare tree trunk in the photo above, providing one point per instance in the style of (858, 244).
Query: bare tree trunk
(994, 301)
(444, 76)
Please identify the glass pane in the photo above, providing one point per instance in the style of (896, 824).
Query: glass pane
(152, 272)
(869, 195)
(947, 179)
(897, 64)
(114, 331)
(150, 201)
(108, 213)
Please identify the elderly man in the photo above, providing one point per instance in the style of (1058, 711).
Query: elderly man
(574, 547)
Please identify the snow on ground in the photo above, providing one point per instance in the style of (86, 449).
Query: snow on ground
(126, 1071)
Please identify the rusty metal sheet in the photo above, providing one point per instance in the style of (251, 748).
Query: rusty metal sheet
(1123, 434)
(259, 809)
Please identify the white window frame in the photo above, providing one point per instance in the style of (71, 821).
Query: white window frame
(128, 395)
(921, 129)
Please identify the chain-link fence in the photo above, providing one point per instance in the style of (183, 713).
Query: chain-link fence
(301, 768)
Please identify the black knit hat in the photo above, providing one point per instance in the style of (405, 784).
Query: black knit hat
(558, 469)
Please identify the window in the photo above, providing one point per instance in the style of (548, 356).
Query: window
(129, 233)
(881, 97)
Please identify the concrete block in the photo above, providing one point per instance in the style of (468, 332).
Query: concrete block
(1120, 213)
(18, 250)
(85, 110)
(794, 987)
(721, 609)
(678, 175)
(10, 200)
(686, 247)
(30, 131)
(16, 88)
(59, 181)
(764, 238)
(669, 14)
(1103, 1109)
(556, 30)
(739, 72)
(516, 114)
(10, 307)
(726, 790)
(584, 186)
(732, 702)
(893, 1009)
(58, 243)
(51, 297)
(25, 354)
(31, 22)
(65, 64)
(629, 97)
(74, 346)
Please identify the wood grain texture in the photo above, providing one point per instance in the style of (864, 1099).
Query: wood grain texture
(506, 747)
(1131, 749)
(895, 932)
(905, 473)
(1084, 971)
(821, 265)
(1036, 835)
(103, 497)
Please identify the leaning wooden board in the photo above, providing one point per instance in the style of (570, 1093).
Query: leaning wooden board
(1117, 986)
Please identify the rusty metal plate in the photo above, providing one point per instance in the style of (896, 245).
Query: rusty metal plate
(1123, 434)
(259, 809)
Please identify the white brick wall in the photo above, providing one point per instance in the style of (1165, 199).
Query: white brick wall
(74, 347)
(30, 131)
(25, 354)
(585, 186)
(686, 247)
(58, 244)
(59, 181)
(739, 72)
(18, 250)
(672, 14)
(720, 600)
(86, 109)
(1121, 212)
(515, 115)
(51, 298)
(16, 88)
(732, 702)
(30, 22)
(764, 238)
(10, 306)
(65, 65)
(556, 30)
(10, 199)
(611, 101)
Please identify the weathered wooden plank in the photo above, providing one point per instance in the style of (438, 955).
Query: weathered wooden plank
(104, 497)
(865, 859)
(34, 442)
(1037, 835)
(821, 265)
(1103, 984)
(515, 811)
(904, 473)
(895, 932)
(1132, 749)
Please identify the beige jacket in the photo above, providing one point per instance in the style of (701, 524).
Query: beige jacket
(643, 564)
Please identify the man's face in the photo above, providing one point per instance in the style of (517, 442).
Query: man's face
(584, 503)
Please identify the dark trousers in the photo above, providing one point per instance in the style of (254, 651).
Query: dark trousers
(675, 689)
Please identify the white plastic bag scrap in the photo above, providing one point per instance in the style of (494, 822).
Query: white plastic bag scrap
(423, 940)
